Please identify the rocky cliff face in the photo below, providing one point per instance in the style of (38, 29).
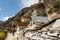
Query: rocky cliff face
(34, 10)
(49, 32)
(38, 9)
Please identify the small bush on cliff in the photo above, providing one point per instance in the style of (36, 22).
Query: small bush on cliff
(56, 6)
(2, 35)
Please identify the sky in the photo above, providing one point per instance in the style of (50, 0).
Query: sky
(9, 8)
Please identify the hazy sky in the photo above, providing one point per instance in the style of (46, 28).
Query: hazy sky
(9, 8)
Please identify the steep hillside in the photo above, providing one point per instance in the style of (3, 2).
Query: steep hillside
(38, 9)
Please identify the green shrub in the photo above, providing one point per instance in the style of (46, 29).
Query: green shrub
(18, 20)
(2, 35)
(51, 10)
(56, 5)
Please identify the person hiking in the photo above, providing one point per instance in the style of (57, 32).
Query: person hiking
(13, 31)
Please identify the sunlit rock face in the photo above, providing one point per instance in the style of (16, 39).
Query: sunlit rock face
(51, 32)
(44, 35)
(53, 15)
(57, 23)
(40, 19)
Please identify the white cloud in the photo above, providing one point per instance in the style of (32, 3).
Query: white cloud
(0, 9)
(28, 3)
(6, 18)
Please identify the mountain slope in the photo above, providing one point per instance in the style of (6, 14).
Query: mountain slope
(1, 21)
(38, 9)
